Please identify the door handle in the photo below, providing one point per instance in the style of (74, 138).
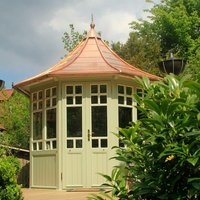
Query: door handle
(88, 135)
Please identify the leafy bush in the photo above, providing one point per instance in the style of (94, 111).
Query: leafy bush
(9, 168)
(16, 120)
(162, 149)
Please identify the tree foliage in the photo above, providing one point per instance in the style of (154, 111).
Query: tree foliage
(172, 26)
(72, 38)
(176, 25)
(142, 51)
(161, 153)
(16, 119)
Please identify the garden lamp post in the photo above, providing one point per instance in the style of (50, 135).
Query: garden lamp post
(172, 65)
(2, 83)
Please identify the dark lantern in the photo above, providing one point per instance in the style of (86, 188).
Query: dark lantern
(172, 65)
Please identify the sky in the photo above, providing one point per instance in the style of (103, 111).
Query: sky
(31, 31)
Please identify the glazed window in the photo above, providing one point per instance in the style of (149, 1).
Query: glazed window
(37, 125)
(125, 106)
(50, 116)
(44, 103)
(125, 116)
(37, 109)
(51, 123)
(125, 95)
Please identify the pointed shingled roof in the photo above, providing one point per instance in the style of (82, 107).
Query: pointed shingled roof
(92, 56)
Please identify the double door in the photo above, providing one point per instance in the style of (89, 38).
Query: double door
(86, 134)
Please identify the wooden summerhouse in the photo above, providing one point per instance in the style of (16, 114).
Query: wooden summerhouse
(76, 106)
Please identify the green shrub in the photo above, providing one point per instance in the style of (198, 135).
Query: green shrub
(9, 169)
(162, 149)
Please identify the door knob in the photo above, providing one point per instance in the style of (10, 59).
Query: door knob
(88, 135)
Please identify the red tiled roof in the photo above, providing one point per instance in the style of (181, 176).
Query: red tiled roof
(2, 127)
(6, 94)
(91, 57)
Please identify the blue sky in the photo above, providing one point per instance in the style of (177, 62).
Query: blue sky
(31, 30)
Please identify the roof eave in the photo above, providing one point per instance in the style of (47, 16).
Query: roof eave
(150, 76)
(21, 86)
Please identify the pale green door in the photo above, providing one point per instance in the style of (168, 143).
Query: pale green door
(86, 142)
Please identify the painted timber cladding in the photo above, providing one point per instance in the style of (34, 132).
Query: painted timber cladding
(44, 171)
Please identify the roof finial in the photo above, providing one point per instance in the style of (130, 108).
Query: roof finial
(92, 25)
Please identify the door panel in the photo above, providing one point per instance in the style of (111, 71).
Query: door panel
(86, 140)
(73, 141)
(97, 149)
(99, 164)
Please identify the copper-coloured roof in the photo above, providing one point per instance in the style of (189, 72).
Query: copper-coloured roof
(92, 56)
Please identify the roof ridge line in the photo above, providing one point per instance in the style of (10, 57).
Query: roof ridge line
(103, 56)
(131, 66)
(49, 71)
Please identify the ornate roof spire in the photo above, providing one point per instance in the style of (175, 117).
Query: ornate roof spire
(92, 32)
(92, 25)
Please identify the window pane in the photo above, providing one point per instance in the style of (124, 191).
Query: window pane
(103, 89)
(48, 93)
(74, 122)
(51, 123)
(39, 145)
(40, 104)
(54, 144)
(78, 143)
(120, 100)
(99, 121)
(104, 143)
(34, 146)
(129, 101)
(48, 145)
(40, 95)
(128, 90)
(95, 143)
(94, 99)
(69, 89)
(121, 89)
(53, 91)
(34, 96)
(69, 100)
(125, 116)
(54, 102)
(48, 103)
(94, 89)
(37, 125)
(103, 99)
(34, 106)
(78, 99)
(78, 89)
(70, 144)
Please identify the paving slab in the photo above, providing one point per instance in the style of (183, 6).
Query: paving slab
(46, 194)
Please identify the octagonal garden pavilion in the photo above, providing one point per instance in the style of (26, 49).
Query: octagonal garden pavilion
(76, 106)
